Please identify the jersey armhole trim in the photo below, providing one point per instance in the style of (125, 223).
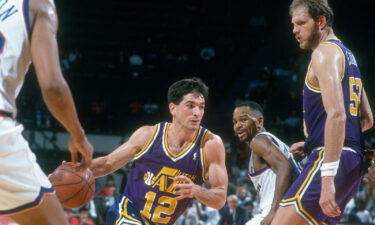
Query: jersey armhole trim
(203, 157)
(26, 17)
(149, 143)
(343, 57)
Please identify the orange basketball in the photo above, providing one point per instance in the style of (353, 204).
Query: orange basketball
(73, 187)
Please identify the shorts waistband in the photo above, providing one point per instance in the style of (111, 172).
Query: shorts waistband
(6, 114)
(343, 148)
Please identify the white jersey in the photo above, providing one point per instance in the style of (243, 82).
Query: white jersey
(22, 182)
(15, 55)
(264, 180)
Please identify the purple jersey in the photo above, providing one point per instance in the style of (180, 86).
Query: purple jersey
(150, 184)
(314, 114)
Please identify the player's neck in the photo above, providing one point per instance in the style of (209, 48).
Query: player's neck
(327, 34)
(180, 134)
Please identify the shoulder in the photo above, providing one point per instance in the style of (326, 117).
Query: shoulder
(42, 6)
(213, 146)
(326, 51)
(212, 140)
(258, 143)
(145, 131)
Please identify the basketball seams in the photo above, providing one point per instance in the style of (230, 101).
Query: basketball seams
(81, 189)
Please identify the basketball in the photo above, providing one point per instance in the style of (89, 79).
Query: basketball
(74, 187)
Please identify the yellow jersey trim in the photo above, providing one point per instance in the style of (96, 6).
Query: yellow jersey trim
(185, 149)
(125, 214)
(149, 141)
(307, 179)
(311, 86)
(342, 54)
(204, 160)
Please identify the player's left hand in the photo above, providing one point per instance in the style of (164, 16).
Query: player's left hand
(268, 219)
(327, 197)
(185, 188)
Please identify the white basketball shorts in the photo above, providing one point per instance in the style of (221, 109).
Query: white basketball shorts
(22, 183)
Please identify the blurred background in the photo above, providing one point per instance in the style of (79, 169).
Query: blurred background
(120, 56)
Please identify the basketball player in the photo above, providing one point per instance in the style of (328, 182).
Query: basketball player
(335, 111)
(28, 33)
(171, 161)
(271, 166)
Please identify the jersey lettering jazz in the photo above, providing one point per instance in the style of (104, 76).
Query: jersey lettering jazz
(315, 115)
(150, 185)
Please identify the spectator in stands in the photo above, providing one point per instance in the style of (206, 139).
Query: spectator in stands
(84, 218)
(232, 213)
(108, 192)
(71, 218)
(243, 195)
(187, 218)
(359, 214)
(205, 214)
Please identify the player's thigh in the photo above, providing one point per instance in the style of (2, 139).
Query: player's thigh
(287, 215)
(48, 212)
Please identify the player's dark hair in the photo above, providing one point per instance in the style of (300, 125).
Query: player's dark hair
(316, 8)
(179, 89)
(255, 108)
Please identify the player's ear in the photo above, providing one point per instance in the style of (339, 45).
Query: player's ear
(259, 123)
(322, 22)
(172, 108)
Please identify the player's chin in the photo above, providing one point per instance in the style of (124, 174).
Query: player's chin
(242, 138)
(194, 125)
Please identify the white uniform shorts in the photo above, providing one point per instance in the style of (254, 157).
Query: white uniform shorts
(22, 183)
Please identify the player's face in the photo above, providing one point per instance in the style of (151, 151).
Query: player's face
(244, 124)
(305, 28)
(190, 111)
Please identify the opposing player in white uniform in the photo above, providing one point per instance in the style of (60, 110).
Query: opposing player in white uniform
(271, 167)
(28, 33)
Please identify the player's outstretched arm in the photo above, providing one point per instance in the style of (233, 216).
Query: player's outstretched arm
(123, 154)
(264, 148)
(216, 195)
(327, 64)
(55, 91)
(367, 119)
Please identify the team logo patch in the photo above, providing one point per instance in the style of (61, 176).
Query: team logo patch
(148, 178)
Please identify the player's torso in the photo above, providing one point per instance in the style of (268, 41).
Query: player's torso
(14, 50)
(264, 179)
(150, 184)
(313, 109)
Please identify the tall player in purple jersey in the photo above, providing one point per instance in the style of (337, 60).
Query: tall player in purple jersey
(171, 161)
(335, 111)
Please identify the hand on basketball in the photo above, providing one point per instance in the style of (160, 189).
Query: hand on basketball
(185, 188)
(327, 197)
(297, 150)
(83, 146)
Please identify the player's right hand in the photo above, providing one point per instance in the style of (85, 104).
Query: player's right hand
(297, 150)
(83, 146)
(327, 197)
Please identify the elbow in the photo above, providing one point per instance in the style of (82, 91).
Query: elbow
(220, 203)
(56, 88)
(338, 117)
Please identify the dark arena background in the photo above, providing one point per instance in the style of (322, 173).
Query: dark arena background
(120, 56)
